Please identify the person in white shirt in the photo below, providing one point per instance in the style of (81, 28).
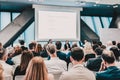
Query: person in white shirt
(8, 70)
(54, 65)
(78, 71)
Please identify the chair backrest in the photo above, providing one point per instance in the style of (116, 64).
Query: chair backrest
(19, 77)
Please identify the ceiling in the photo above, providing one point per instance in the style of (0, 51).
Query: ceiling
(90, 7)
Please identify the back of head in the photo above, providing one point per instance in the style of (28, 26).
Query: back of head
(116, 52)
(32, 45)
(74, 45)
(98, 51)
(21, 42)
(77, 53)
(36, 70)
(2, 53)
(58, 45)
(51, 48)
(99, 43)
(25, 58)
(94, 46)
(108, 56)
(113, 42)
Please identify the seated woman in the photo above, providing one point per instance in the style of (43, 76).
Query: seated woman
(25, 58)
(37, 70)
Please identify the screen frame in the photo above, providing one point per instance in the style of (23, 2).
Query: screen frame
(59, 9)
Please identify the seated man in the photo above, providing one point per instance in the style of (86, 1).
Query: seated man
(54, 65)
(111, 72)
(7, 69)
(78, 71)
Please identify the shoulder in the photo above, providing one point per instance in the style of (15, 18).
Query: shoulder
(65, 76)
(50, 77)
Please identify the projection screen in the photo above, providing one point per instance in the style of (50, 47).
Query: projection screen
(57, 23)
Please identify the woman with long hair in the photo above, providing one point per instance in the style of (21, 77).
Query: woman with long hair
(37, 70)
(25, 58)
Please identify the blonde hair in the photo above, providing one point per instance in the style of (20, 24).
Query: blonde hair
(1, 72)
(88, 48)
(36, 70)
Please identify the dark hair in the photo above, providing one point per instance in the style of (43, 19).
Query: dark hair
(51, 48)
(89, 56)
(66, 46)
(95, 46)
(25, 58)
(58, 45)
(99, 43)
(74, 45)
(103, 46)
(114, 42)
(116, 52)
(118, 45)
(39, 48)
(108, 57)
(21, 42)
(77, 53)
(2, 53)
(98, 51)
(49, 41)
(32, 45)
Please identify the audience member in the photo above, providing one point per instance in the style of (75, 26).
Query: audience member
(78, 71)
(95, 63)
(88, 48)
(59, 53)
(17, 56)
(114, 43)
(116, 53)
(22, 44)
(37, 70)
(32, 47)
(44, 53)
(1, 46)
(38, 48)
(25, 58)
(10, 52)
(7, 69)
(54, 65)
(118, 46)
(67, 46)
(1, 73)
(111, 72)
(103, 47)
(50, 41)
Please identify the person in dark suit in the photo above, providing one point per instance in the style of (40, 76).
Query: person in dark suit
(67, 45)
(60, 54)
(95, 63)
(111, 72)
(22, 43)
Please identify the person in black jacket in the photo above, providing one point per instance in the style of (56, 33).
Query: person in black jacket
(110, 71)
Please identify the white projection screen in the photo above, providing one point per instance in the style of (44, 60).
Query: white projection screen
(57, 23)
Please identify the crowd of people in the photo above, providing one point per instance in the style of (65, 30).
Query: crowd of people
(92, 61)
